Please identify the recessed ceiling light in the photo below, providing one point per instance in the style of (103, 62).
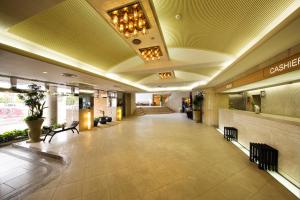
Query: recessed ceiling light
(45, 72)
(178, 16)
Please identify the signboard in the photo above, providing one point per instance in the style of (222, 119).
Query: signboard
(284, 66)
(287, 65)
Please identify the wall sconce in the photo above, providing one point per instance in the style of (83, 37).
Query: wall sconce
(88, 120)
(119, 113)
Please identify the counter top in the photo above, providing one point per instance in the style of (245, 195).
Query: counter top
(279, 118)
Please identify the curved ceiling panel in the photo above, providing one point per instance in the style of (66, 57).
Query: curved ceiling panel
(181, 58)
(197, 56)
(206, 37)
(15, 11)
(180, 76)
(74, 28)
(216, 25)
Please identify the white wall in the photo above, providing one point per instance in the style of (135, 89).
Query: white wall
(175, 100)
(102, 104)
(280, 100)
(145, 98)
(279, 132)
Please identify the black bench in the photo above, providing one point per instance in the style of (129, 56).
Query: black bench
(230, 133)
(51, 132)
(264, 155)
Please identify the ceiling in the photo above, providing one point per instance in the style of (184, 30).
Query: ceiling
(206, 37)
(33, 69)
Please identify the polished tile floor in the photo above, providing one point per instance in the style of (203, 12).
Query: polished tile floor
(22, 172)
(160, 157)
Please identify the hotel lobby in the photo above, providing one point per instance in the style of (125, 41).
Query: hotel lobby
(150, 99)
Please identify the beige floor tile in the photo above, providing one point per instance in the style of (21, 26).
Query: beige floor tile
(44, 194)
(68, 191)
(165, 157)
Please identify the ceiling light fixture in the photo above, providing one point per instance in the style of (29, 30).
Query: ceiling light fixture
(178, 17)
(45, 72)
(23, 44)
(165, 75)
(151, 53)
(130, 20)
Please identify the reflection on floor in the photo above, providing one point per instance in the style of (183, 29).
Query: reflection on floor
(163, 157)
(22, 172)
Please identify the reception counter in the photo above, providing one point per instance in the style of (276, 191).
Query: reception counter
(280, 132)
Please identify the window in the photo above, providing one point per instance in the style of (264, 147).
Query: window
(12, 112)
(4, 82)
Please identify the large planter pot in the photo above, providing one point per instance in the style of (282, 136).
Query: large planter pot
(35, 129)
(108, 119)
(102, 120)
(197, 116)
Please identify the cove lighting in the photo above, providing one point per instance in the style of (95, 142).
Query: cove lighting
(292, 188)
(28, 46)
(11, 40)
(279, 19)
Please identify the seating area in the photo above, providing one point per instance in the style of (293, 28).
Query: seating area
(52, 132)
(102, 120)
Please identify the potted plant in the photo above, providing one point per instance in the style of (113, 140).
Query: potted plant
(102, 119)
(197, 107)
(34, 99)
(96, 121)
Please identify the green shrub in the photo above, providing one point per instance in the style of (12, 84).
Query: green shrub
(13, 135)
(55, 125)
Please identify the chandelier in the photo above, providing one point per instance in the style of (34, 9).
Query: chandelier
(165, 75)
(130, 20)
(151, 53)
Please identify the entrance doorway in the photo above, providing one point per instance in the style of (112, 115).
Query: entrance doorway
(160, 99)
